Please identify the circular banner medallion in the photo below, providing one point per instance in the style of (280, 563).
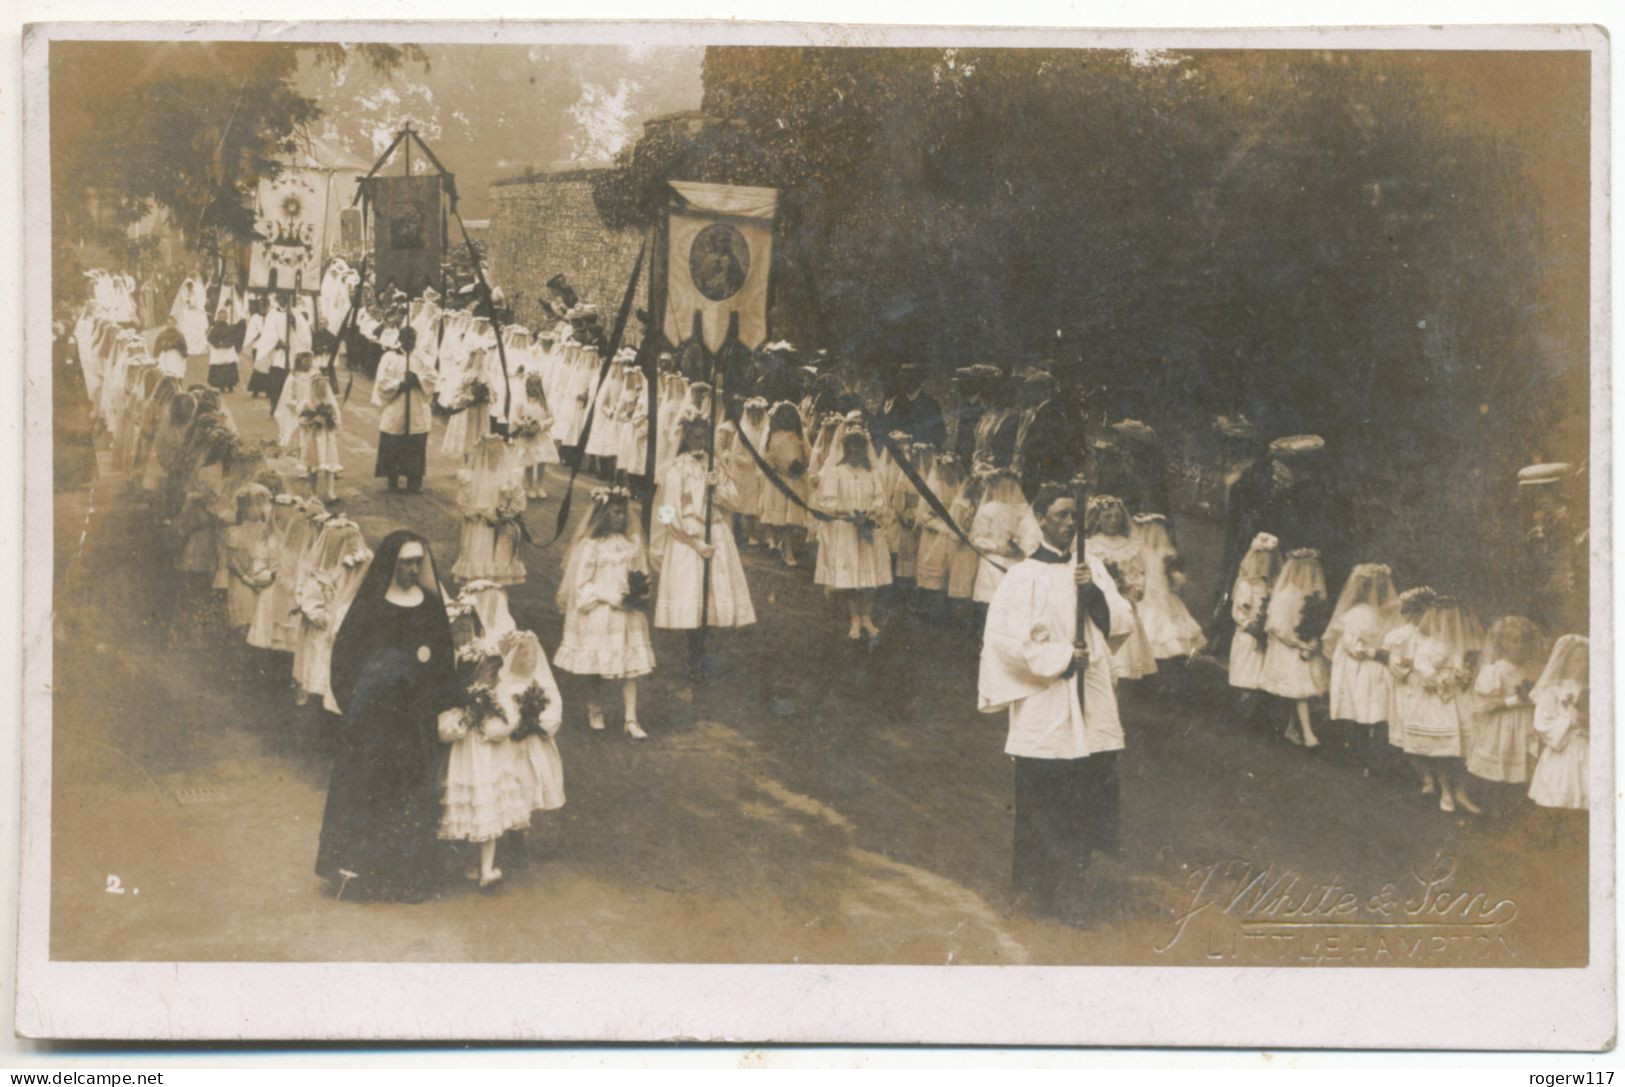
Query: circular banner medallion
(719, 261)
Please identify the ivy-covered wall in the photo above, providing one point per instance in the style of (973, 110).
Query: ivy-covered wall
(547, 224)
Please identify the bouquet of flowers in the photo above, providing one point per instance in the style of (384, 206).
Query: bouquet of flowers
(865, 525)
(1260, 618)
(318, 417)
(525, 429)
(479, 706)
(531, 704)
(797, 469)
(508, 510)
(477, 391)
(1129, 581)
(1447, 681)
(637, 590)
(1313, 616)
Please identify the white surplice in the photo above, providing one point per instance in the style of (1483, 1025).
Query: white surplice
(1026, 649)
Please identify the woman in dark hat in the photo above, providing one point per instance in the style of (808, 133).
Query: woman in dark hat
(392, 674)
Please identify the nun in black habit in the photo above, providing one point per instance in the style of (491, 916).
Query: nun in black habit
(393, 673)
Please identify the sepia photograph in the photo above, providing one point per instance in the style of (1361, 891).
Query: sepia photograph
(1098, 508)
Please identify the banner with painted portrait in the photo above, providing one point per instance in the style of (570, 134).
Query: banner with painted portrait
(290, 217)
(719, 260)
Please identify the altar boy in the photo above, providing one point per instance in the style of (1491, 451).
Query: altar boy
(1056, 682)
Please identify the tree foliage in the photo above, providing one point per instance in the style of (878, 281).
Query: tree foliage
(186, 127)
(1344, 243)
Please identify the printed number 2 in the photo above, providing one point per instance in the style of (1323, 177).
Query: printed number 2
(115, 886)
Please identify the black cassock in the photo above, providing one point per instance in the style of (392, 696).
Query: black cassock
(393, 673)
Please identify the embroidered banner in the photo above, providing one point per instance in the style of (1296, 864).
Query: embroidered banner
(291, 217)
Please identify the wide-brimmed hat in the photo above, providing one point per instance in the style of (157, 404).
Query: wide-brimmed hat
(1235, 426)
(1135, 430)
(1297, 444)
(1540, 475)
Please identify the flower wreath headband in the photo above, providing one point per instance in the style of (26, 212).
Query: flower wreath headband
(1420, 592)
(602, 495)
(513, 639)
(1103, 502)
(1303, 553)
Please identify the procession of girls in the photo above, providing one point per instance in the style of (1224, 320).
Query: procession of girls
(1457, 702)
(1475, 712)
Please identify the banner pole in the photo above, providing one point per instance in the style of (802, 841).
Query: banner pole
(717, 378)
(655, 332)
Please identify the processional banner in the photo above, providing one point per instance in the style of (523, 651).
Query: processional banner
(719, 257)
(290, 217)
(408, 231)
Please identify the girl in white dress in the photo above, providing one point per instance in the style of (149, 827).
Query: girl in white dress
(1398, 647)
(1503, 713)
(1562, 777)
(1444, 661)
(249, 558)
(748, 478)
(1249, 609)
(491, 498)
(854, 560)
(937, 539)
(1169, 626)
(673, 397)
(602, 593)
(532, 434)
(906, 507)
(294, 396)
(679, 549)
(963, 561)
(530, 697)
(319, 419)
(603, 442)
(325, 592)
(633, 449)
(471, 405)
(696, 404)
(291, 533)
(1366, 610)
(190, 315)
(482, 798)
(787, 453)
(825, 446)
(1001, 530)
(1108, 537)
(1295, 666)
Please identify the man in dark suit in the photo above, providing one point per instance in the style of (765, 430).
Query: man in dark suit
(1050, 434)
(913, 410)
